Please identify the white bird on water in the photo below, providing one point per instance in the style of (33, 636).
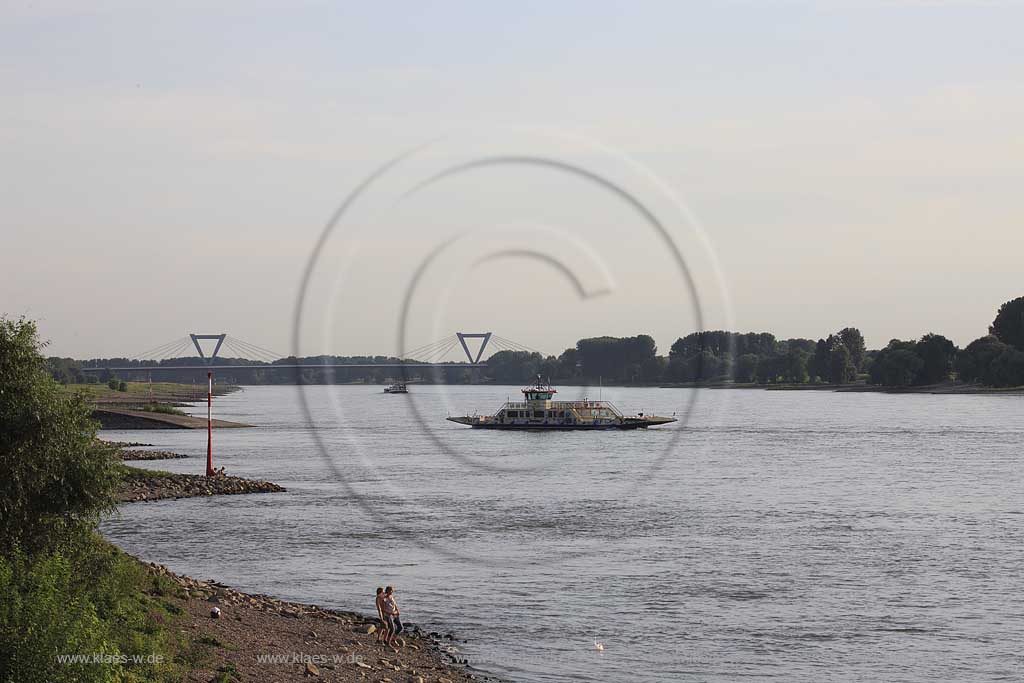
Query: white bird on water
(599, 646)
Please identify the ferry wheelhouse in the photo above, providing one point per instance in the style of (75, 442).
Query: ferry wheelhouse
(538, 410)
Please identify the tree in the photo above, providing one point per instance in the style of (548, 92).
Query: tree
(616, 359)
(65, 370)
(897, 365)
(1009, 323)
(55, 477)
(832, 361)
(746, 367)
(653, 369)
(795, 366)
(938, 354)
(569, 364)
(975, 362)
(1008, 368)
(705, 367)
(841, 367)
(853, 340)
(819, 366)
(514, 367)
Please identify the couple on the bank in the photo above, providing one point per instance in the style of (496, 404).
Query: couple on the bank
(390, 617)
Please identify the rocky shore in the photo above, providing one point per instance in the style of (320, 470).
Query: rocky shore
(142, 485)
(150, 455)
(260, 638)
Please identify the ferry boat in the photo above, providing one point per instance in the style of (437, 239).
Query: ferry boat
(396, 388)
(539, 411)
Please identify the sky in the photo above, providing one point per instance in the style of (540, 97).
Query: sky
(171, 168)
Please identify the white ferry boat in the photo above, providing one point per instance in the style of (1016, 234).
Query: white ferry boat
(396, 388)
(539, 411)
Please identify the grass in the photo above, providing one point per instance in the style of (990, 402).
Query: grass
(162, 408)
(145, 391)
(144, 473)
(152, 397)
(212, 641)
(92, 597)
(227, 673)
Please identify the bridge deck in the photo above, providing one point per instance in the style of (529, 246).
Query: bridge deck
(306, 366)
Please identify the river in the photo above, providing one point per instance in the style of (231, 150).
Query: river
(789, 535)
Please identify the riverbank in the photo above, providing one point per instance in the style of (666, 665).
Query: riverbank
(110, 418)
(258, 637)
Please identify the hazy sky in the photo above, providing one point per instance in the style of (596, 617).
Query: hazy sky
(169, 168)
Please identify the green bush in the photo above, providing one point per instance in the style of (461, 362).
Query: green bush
(162, 408)
(112, 384)
(122, 386)
(86, 599)
(63, 590)
(42, 617)
(56, 479)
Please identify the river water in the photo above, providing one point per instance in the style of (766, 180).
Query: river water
(788, 535)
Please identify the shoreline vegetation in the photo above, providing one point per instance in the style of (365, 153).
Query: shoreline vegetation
(703, 358)
(77, 609)
(944, 388)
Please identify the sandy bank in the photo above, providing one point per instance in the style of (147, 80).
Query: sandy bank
(110, 418)
(260, 638)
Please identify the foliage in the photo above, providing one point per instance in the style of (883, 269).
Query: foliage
(55, 476)
(86, 598)
(832, 361)
(615, 359)
(1008, 368)
(721, 343)
(938, 354)
(896, 365)
(1009, 323)
(788, 366)
(975, 362)
(42, 617)
(853, 340)
(514, 367)
(162, 408)
(65, 370)
(113, 384)
(122, 386)
(746, 367)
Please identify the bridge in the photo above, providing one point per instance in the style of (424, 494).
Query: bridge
(425, 356)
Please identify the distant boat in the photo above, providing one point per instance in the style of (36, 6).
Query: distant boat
(538, 411)
(396, 388)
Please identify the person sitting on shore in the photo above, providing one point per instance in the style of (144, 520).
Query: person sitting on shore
(395, 625)
(382, 631)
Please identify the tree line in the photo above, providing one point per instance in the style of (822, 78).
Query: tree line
(717, 356)
(707, 357)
